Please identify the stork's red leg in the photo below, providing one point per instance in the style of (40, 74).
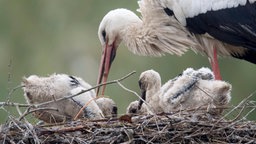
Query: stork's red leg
(215, 65)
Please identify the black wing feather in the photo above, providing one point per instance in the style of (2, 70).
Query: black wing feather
(235, 26)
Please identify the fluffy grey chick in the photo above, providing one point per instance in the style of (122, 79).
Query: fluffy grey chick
(133, 108)
(107, 106)
(150, 85)
(194, 89)
(43, 89)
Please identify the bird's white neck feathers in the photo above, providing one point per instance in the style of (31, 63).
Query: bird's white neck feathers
(151, 82)
(154, 34)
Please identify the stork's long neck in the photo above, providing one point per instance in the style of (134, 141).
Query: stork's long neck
(130, 35)
(152, 91)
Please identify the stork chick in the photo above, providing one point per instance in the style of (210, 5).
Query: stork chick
(192, 89)
(108, 107)
(150, 85)
(133, 108)
(195, 89)
(39, 90)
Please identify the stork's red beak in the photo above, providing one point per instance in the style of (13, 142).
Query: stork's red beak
(108, 56)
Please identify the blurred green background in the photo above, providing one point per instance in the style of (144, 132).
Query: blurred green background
(46, 36)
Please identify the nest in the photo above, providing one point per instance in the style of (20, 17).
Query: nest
(181, 127)
(187, 126)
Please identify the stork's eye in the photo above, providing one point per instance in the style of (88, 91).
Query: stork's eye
(103, 33)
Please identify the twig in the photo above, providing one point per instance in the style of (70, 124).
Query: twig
(110, 82)
(13, 120)
(205, 92)
(143, 131)
(9, 78)
(244, 117)
(234, 120)
(83, 91)
(15, 104)
(28, 126)
(34, 110)
(239, 105)
(239, 114)
(13, 90)
(147, 105)
(122, 86)
(81, 110)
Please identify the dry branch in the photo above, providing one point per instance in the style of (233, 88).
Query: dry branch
(83, 91)
(37, 107)
(163, 128)
(186, 126)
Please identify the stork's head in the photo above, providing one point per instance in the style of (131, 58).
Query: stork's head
(110, 33)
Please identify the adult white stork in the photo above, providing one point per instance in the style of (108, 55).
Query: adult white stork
(211, 27)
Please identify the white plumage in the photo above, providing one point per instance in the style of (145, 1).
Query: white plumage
(108, 107)
(38, 90)
(174, 26)
(133, 108)
(193, 8)
(150, 85)
(193, 89)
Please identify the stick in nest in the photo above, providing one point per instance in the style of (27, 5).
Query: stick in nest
(53, 99)
(107, 83)
(40, 90)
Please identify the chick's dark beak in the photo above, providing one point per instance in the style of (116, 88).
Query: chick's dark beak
(143, 95)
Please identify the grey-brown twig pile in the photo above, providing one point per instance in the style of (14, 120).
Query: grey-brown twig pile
(180, 127)
(184, 126)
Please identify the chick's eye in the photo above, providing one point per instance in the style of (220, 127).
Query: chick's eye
(104, 35)
(143, 85)
(140, 84)
(134, 111)
(28, 94)
(114, 110)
